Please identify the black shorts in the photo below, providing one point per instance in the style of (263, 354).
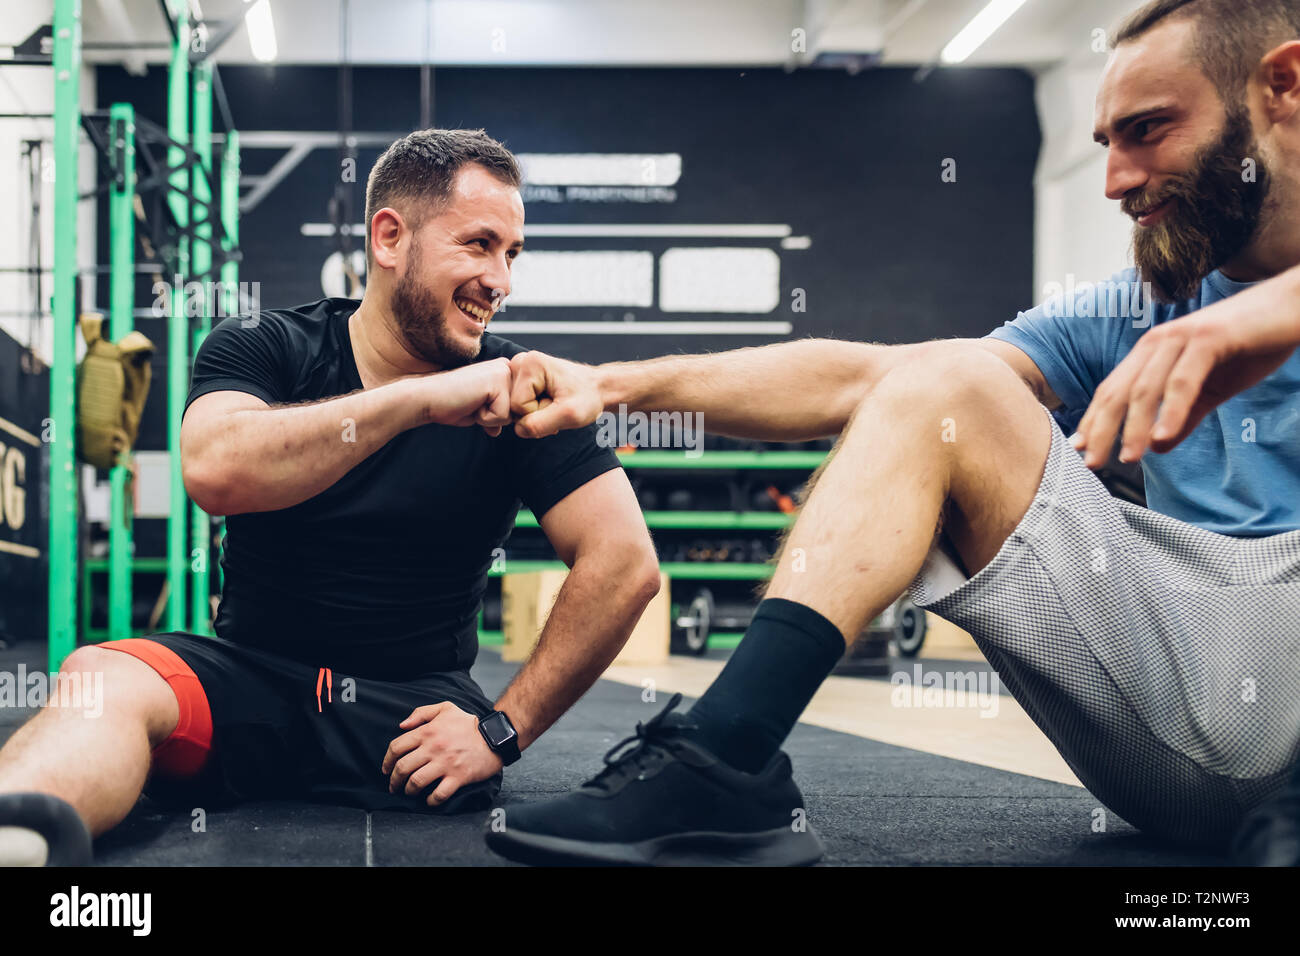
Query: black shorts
(272, 737)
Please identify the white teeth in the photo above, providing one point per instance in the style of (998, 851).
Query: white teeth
(477, 311)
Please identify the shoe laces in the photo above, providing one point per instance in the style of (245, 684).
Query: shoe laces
(632, 756)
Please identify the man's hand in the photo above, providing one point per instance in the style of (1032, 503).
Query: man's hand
(477, 394)
(1181, 370)
(442, 745)
(550, 395)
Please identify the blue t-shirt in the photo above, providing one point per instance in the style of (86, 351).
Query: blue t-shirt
(1238, 472)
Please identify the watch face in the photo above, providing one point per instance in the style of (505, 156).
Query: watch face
(497, 729)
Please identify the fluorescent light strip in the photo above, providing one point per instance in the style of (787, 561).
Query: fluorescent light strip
(608, 230)
(601, 169)
(584, 278)
(719, 280)
(261, 31)
(983, 26)
(662, 231)
(325, 230)
(641, 328)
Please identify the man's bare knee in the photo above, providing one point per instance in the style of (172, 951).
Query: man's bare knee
(950, 383)
(962, 370)
(992, 427)
(119, 685)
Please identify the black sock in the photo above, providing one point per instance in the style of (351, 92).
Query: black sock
(746, 713)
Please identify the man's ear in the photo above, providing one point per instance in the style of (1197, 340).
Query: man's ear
(1280, 72)
(386, 229)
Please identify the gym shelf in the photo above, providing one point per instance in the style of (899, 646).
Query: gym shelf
(716, 570)
(703, 520)
(723, 460)
(733, 521)
(726, 640)
(524, 567)
(139, 564)
(679, 570)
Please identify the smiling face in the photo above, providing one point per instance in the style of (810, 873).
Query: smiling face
(1175, 160)
(456, 271)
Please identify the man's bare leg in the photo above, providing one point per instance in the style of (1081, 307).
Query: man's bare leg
(953, 437)
(98, 764)
(951, 432)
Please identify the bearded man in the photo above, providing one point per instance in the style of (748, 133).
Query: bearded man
(1158, 648)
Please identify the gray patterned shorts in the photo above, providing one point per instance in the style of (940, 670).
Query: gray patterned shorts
(1162, 660)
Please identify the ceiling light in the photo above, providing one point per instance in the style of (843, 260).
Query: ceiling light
(983, 26)
(261, 30)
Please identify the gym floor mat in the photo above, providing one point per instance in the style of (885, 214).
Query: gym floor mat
(873, 803)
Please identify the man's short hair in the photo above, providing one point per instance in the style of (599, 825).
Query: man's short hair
(1231, 36)
(415, 174)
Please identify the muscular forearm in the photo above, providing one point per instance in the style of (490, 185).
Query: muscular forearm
(791, 391)
(594, 613)
(272, 458)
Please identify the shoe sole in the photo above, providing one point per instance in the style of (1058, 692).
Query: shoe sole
(26, 818)
(780, 847)
(22, 846)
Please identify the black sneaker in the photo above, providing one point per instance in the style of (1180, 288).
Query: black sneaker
(37, 829)
(666, 801)
(1270, 834)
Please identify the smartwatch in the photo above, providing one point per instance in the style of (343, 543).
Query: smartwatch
(500, 736)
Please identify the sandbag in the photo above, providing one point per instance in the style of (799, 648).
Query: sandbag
(112, 385)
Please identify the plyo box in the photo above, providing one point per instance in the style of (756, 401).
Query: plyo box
(526, 602)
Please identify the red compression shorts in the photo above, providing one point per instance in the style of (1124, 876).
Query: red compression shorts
(186, 749)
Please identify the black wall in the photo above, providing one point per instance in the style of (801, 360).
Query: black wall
(854, 162)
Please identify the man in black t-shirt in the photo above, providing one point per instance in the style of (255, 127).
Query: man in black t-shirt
(363, 456)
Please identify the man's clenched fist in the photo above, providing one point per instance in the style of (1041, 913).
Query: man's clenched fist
(538, 392)
(548, 395)
(477, 394)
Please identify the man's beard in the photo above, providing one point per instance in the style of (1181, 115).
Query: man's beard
(1213, 213)
(422, 324)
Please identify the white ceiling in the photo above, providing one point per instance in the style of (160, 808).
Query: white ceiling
(617, 32)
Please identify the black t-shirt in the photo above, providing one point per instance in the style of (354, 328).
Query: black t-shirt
(380, 575)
